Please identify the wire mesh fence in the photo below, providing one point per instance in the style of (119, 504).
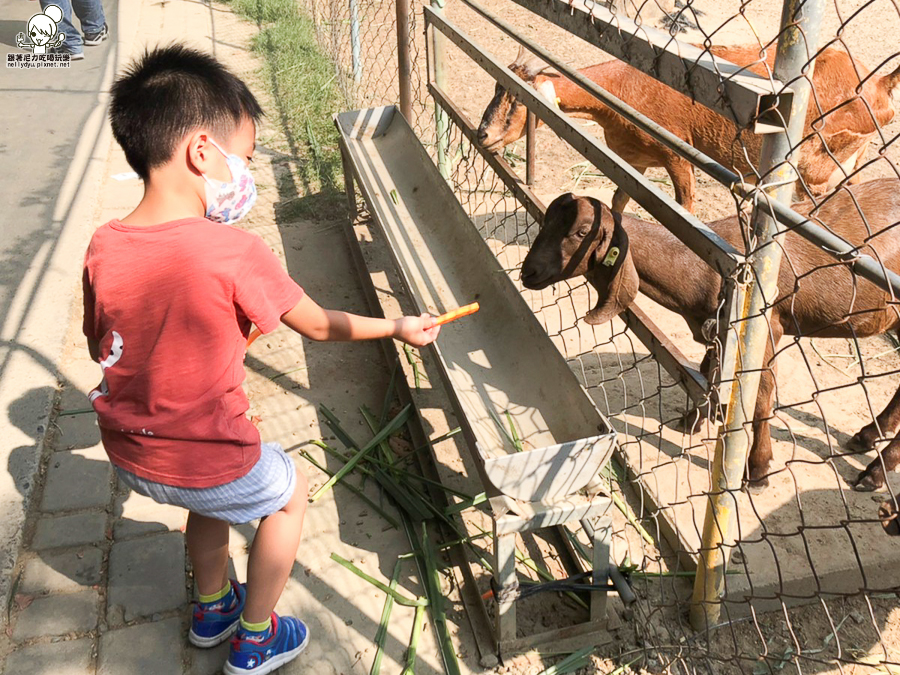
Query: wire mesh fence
(812, 579)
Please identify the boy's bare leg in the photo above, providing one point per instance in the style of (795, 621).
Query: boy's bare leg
(207, 544)
(273, 553)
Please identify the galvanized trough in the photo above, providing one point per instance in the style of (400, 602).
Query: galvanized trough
(535, 433)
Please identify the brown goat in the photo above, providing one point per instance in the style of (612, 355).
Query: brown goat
(845, 130)
(817, 296)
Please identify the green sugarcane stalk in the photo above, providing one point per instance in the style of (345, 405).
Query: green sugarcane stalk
(418, 625)
(355, 490)
(394, 425)
(393, 592)
(383, 625)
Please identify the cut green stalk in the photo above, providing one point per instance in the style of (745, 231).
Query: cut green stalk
(437, 603)
(389, 395)
(393, 592)
(418, 625)
(415, 366)
(383, 625)
(450, 544)
(613, 472)
(355, 490)
(480, 498)
(502, 426)
(515, 434)
(571, 663)
(401, 473)
(408, 500)
(393, 426)
(374, 427)
(623, 507)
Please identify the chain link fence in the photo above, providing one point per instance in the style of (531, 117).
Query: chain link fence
(809, 577)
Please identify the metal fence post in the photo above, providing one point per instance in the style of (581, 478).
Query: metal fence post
(354, 41)
(800, 26)
(440, 117)
(404, 65)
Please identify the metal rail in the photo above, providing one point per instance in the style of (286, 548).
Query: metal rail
(863, 265)
(749, 100)
(695, 234)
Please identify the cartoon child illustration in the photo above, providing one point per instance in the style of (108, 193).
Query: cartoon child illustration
(43, 31)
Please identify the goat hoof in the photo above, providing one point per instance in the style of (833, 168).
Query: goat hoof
(689, 424)
(866, 482)
(756, 486)
(887, 513)
(857, 444)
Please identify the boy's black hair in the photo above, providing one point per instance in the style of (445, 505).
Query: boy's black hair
(169, 92)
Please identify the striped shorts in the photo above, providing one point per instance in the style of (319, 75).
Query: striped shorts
(265, 489)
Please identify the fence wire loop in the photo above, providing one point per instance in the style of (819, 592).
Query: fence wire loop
(808, 575)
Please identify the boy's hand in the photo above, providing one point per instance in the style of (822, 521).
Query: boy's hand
(417, 331)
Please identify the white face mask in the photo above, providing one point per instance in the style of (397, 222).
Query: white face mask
(228, 202)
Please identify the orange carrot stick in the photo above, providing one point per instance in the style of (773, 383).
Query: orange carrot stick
(456, 314)
(255, 333)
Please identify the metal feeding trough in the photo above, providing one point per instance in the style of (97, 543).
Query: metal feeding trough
(535, 436)
(535, 430)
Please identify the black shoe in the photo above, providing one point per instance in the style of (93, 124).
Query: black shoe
(94, 39)
(73, 56)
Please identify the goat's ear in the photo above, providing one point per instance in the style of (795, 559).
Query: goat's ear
(521, 56)
(535, 66)
(614, 276)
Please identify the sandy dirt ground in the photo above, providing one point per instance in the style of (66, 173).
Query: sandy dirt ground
(808, 530)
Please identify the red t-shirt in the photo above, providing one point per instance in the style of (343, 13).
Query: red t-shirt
(171, 306)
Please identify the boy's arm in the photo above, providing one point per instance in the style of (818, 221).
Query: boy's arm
(88, 325)
(317, 323)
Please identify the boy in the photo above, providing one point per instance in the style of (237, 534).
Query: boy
(171, 291)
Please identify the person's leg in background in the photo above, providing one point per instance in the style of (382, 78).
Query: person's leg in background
(74, 44)
(93, 20)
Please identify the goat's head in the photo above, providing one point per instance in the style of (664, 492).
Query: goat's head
(582, 236)
(504, 119)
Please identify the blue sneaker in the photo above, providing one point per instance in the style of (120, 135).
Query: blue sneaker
(214, 623)
(283, 642)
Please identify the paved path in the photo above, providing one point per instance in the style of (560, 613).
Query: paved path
(100, 584)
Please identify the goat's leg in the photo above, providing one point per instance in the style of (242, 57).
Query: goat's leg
(866, 439)
(681, 172)
(873, 476)
(693, 418)
(620, 197)
(760, 456)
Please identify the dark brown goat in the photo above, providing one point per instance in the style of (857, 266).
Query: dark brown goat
(817, 296)
(846, 128)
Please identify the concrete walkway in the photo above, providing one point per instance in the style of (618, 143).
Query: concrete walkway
(97, 579)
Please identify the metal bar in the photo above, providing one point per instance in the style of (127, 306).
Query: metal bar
(600, 561)
(530, 124)
(349, 188)
(626, 594)
(505, 576)
(667, 354)
(354, 41)
(404, 67)
(695, 234)
(800, 24)
(863, 265)
(533, 205)
(437, 60)
(728, 89)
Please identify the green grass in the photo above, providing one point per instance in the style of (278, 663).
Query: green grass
(301, 82)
